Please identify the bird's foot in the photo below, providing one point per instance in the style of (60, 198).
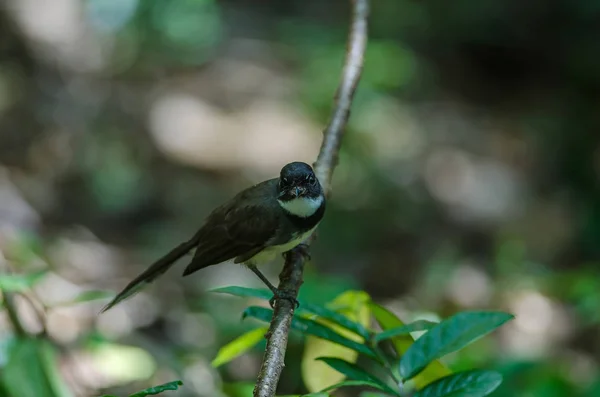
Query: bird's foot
(280, 294)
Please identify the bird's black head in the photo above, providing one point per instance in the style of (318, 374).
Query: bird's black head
(296, 180)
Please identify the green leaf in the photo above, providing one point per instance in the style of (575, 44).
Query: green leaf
(239, 346)
(311, 327)
(354, 383)
(316, 374)
(371, 394)
(387, 320)
(475, 383)
(31, 370)
(448, 336)
(238, 389)
(354, 372)
(245, 292)
(334, 317)
(158, 389)
(419, 325)
(49, 361)
(261, 313)
(20, 282)
(305, 308)
(86, 296)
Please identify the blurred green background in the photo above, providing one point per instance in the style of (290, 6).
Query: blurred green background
(469, 177)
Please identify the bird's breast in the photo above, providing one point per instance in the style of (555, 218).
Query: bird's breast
(269, 253)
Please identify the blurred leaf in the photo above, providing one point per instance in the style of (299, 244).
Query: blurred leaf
(371, 394)
(110, 15)
(238, 389)
(86, 296)
(354, 372)
(390, 64)
(594, 389)
(20, 282)
(116, 179)
(245, 292)
(463, 384)
(31, 370)
(121, 362)
(354, 383)
(239, 346)
(316, 374)
(24, 247)
(419, 325)
(188, 25)
(387, 320)
(311, 327)
(317, 86)
(448, 336)
(321, 289)
(49, 361)
(158, 389)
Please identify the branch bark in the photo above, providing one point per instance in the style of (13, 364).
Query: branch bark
(290, 278)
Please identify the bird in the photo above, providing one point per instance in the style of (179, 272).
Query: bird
(265, 220)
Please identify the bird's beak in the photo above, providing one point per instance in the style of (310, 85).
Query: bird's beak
(297, 191)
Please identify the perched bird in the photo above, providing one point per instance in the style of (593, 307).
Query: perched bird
(265, 220)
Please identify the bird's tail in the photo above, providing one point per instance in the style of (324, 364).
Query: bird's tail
(155, 270)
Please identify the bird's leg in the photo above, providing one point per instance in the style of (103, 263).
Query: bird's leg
(263, 278)
(277, 293)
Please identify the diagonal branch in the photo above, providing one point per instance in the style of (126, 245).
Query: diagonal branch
(291, 276)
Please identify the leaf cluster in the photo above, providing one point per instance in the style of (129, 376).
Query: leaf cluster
(412, 366)
(31, 369)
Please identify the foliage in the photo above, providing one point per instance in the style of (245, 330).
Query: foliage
(31, 368)
(34, 358)
(20, 282)
(409, 360)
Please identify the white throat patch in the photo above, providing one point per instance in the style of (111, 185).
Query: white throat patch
(302, 206)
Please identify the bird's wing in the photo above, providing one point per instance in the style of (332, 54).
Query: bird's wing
(238, 231)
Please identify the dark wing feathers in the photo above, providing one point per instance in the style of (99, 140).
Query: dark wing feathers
(243, 231)
(230, 231)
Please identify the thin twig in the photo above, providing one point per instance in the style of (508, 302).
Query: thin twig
(291, 276)
(332, 136)
(13, 315)
(8, 299)
(39, 308)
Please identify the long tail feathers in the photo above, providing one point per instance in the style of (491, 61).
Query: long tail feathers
(155, 270)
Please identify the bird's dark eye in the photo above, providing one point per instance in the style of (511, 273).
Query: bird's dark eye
(312, 180)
